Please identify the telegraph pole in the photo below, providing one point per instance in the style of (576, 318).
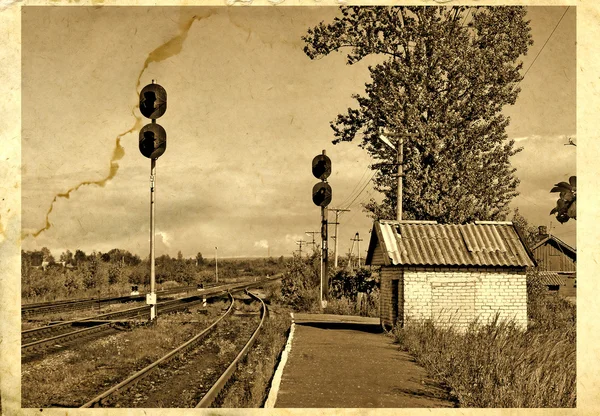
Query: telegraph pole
(312, 233)
(399, 162)
(216, 265)
(357, 239)
(300, 243)
(335, 249)
(350, 252)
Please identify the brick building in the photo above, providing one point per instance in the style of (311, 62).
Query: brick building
(449, 273)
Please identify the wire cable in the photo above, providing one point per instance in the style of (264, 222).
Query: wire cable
(544, 45)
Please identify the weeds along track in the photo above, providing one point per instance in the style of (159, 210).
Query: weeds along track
(193, 374)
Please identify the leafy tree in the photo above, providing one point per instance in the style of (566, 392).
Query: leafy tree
(115, 273)
(444, 81)
(566, 205)
(529, 232)
(179, 256)
(80, 257)
(47, 255)
(199, 259)
(67, 257)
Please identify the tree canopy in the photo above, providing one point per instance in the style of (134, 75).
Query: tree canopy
(445, 74)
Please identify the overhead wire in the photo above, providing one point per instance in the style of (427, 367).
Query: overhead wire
(362, 190)
(545, 43)
(355, 187)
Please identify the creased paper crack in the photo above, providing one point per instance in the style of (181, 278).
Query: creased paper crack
(167, 50)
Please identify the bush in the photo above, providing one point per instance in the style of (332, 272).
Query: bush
(300, 284)
(547, 312)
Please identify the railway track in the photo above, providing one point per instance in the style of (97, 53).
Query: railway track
(33, 309)
(38, 341)
(181, 352)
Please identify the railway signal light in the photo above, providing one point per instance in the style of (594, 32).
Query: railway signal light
(321, 194)
(321, 167)
(153, 140)
(153, 101)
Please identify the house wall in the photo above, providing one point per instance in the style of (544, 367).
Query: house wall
(569, 289)
(455, 296)
(550, 257)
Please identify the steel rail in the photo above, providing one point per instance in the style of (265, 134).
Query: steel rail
(66, 337)
(146, 370)
(165, 307)
(70, 304)
(216, 388)
(28, 333)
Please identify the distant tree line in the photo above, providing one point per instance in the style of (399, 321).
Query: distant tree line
(81, 274)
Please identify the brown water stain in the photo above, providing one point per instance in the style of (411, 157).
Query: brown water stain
(167, 50)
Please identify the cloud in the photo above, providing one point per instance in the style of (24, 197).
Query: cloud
(165, 237)
(292, 238)
(261, 244)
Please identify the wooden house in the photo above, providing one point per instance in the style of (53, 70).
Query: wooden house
(557, 262)
(451, 274)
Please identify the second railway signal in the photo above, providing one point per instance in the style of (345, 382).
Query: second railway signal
(153, 140)
(321, 196)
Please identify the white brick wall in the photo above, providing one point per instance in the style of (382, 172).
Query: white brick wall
(458, 296)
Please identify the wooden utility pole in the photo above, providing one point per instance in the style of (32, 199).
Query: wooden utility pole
(399, 162)
(300, 243)
(350, 252)
(357, 239)
(336, 223)
(216, 265)
(312, 233)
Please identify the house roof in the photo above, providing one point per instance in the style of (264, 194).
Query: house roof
(421, 243)
(550, 278)
(561, 244)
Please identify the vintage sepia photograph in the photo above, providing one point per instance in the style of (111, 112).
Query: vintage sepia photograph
(289, 207)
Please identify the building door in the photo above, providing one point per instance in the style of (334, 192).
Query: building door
(394, 305)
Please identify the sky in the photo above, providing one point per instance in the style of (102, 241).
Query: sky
(247, 112)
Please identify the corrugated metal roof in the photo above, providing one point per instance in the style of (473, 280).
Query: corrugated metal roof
(550, 278)
(482, 244)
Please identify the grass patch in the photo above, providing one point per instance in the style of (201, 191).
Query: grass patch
(499, 365)
(368, 306)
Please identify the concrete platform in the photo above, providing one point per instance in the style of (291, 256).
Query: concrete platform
(339, 361)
